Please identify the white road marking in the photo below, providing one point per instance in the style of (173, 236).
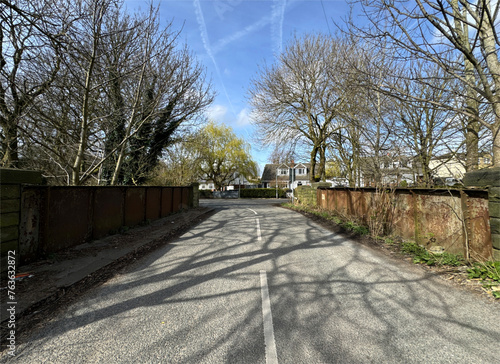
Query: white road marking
(259, 236)
(252, 211)
(271, 355)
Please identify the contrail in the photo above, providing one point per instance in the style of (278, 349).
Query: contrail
(278, 13)
(206, 43)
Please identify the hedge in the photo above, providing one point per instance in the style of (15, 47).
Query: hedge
(262, 193)
(206, 194)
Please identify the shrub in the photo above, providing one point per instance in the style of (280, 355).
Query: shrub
(206, 194)
(261, 193)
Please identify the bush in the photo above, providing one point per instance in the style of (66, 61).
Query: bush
(261, 193)
(206, 194)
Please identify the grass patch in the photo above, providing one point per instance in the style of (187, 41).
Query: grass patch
(327, 215)
(423, 256)
(358, 229)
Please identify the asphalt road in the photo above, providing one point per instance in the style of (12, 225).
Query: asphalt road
(257, 283)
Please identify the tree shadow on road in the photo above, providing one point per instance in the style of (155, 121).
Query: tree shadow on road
(332, 300)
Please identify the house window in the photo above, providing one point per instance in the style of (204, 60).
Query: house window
(283, 172)
(487, 161)
(301, 171)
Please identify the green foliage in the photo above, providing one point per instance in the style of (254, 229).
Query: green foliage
(262, 193)
(412, 248)
(488, 270)
(422, 256)
(206, 194)
(327, 215)
(358, 229)
(222, 154)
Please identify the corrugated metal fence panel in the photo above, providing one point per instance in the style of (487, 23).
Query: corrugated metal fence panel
(135, 205)
(456, 220)
(166, 201)
(109, 204)
(69, 217)
(153, 203)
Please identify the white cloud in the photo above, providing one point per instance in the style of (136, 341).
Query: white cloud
(217, 113)
(243, 118)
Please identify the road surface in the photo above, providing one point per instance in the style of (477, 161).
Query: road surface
(256, 283)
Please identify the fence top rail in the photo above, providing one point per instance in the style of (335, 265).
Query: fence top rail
(416, 190)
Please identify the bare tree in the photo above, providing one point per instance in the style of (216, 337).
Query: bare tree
(457, 35)
(297, 100)
(32, 35)
(124, 91)
(426, 128)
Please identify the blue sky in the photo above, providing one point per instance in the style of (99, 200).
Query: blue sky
(231, 38)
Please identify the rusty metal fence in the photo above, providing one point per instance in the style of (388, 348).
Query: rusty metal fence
(55, 218)
(456, 220)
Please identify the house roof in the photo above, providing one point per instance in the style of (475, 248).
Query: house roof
(269, 173)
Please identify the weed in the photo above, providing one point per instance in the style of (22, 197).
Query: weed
(488, 270)
(123, 229)
(388, 241)
(422, 256)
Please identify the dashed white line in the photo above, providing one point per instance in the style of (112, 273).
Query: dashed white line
(271, 355)
(259, 236)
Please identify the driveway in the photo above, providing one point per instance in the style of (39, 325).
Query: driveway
(256, 283)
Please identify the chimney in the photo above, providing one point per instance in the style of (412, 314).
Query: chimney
(292, 164)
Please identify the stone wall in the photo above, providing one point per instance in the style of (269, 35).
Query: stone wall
(11, 181)
(489, 178)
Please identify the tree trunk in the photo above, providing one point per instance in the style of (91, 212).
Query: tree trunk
(314, 153)
(10, 157)
(322, 162)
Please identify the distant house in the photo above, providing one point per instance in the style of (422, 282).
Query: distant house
(389, 170)
(485, 160)
(448, 166)
(237, 181)
(206, 185)
(286, 176)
